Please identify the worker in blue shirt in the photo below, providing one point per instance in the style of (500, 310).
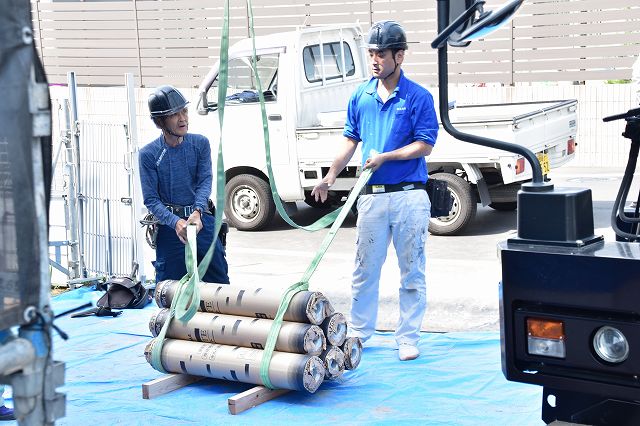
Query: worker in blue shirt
(395, 120)
(176, 179)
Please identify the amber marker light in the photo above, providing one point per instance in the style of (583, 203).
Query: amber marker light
(545, 337)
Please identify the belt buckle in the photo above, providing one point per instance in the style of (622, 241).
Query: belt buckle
(377, 189)
(188, 210)
(408, 187)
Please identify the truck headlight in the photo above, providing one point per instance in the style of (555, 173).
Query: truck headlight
(611, 345)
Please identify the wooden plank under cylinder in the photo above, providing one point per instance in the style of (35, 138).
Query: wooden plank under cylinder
(286, 370)
(241, 331)
(305, 306)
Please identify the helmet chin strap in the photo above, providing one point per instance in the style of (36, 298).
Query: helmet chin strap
(392, 72)
(168, 130)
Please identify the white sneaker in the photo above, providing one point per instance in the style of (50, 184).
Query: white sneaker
(407, 352)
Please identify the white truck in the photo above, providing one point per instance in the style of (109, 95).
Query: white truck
(307, 77)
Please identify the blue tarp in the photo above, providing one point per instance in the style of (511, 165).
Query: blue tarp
(457, 380)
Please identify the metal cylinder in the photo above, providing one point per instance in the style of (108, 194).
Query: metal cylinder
(352, 348)
(286, 370)
(305, 306)
(17, 354)
(333, 359)
(241, 331)
(335, 328)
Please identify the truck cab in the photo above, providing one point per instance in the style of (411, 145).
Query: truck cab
(305, 75)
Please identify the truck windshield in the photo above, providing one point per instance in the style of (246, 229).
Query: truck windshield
(243, 81)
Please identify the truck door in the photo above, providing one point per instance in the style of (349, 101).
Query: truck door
(243, 133)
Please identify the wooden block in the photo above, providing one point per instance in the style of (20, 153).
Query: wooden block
(252, 397)
(166, 384)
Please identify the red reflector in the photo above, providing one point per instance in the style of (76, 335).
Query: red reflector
(519, 166)
(571, 146)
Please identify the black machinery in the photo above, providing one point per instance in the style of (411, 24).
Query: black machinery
(26, 358)
(569, 305)
(570, 318)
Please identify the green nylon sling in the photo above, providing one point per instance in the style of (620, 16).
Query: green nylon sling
(336, 217)
(185, 303)
(187, 297)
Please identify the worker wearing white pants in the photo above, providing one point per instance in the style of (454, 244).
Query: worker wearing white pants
(401, 217)
(393, 120)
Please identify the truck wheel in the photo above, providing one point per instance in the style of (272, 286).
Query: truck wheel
(248, 203)
(463, 209)
(504, 207)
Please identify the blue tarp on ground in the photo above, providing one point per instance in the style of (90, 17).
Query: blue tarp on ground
(456, 381)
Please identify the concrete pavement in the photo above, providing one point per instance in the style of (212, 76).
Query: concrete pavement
(463, 272)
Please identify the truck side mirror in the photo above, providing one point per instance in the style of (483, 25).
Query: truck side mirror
(457, 8)
(466, 27)
(204, 107)
(488, 22)
(204, 104)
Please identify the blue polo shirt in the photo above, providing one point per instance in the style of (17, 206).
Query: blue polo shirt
(408, 115)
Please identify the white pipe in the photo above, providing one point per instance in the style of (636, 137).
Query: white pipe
(16, 355)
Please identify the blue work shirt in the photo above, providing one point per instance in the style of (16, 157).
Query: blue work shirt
(179, 175)
(408, 115)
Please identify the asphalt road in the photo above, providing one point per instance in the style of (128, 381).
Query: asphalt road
(463, 272)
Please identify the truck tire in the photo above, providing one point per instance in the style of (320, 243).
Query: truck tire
(504, 207)
(248, 203)
(463, 210)
(504, 194)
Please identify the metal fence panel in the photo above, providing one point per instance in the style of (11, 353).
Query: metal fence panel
(105, 184)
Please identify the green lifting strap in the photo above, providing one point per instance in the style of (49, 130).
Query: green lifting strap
(185, 303)
(303, 284)
(324, 221)
(223, 76)
(187, 297)
(336, 217)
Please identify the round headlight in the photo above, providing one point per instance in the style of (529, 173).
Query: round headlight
(611, 345)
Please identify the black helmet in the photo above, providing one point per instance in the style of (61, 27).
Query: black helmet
(387, 35)
(166, 100)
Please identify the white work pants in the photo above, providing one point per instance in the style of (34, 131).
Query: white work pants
(403, 217)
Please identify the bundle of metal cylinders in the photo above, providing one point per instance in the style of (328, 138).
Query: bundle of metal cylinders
(226, 338)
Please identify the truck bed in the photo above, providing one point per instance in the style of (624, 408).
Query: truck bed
(539, 126)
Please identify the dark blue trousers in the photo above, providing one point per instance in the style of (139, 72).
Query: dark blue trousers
(170, 263)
